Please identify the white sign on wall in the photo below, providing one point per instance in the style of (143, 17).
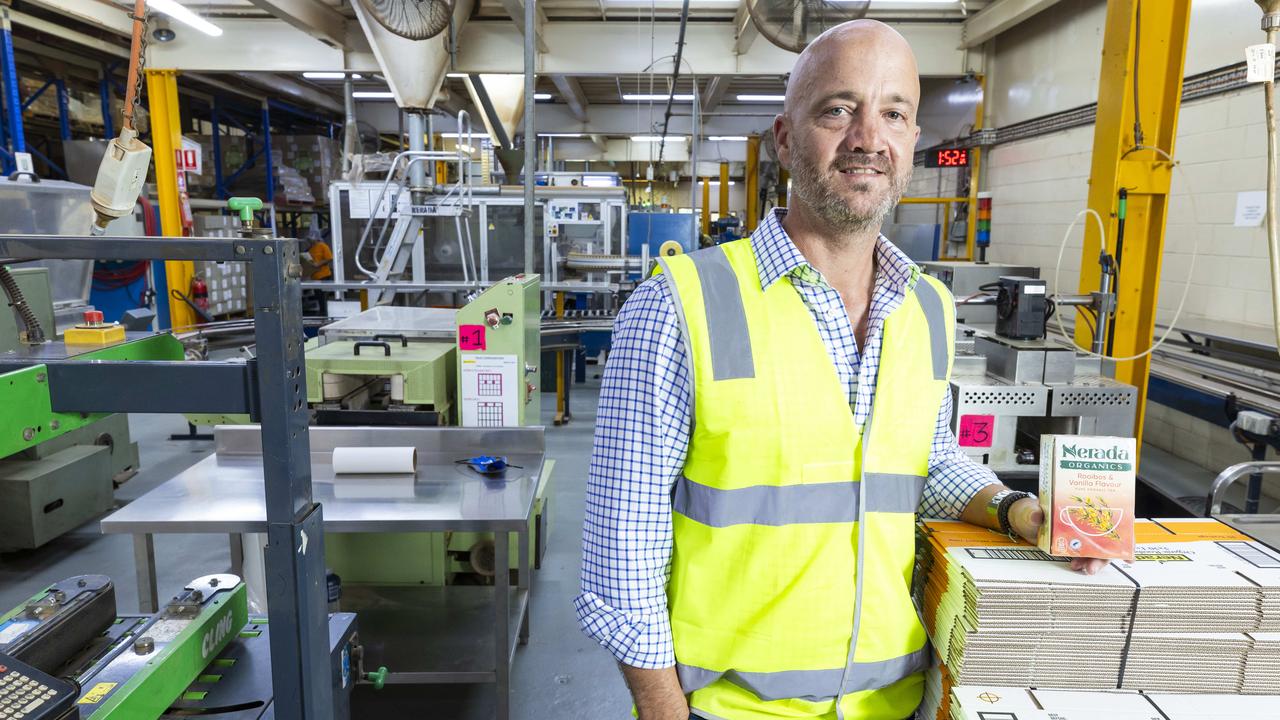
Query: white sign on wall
(1251, 208)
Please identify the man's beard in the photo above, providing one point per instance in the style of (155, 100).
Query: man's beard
(820, 194)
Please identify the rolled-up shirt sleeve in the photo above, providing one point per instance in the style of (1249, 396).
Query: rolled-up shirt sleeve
(641, 437)
(954, 477)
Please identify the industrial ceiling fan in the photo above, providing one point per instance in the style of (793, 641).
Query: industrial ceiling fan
(793, 24)
(412, 19)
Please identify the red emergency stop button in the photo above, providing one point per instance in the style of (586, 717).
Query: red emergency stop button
(93, 317)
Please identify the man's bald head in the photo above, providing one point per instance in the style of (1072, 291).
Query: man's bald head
(850, 44)
(848, 128)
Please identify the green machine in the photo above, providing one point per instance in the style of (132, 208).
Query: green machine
(201, 655)
(58, 470)
(499, 343)
(489, 345)
(385, 366)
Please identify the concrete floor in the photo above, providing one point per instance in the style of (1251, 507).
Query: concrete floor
(559, 674)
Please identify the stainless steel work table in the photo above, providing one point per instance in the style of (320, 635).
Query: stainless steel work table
(442, 626)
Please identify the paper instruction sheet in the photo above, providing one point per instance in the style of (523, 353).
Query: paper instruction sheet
(490, 391)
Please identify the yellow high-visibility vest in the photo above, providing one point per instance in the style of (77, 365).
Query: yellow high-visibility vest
(794, 529)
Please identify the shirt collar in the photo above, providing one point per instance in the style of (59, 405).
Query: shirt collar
(777, 256)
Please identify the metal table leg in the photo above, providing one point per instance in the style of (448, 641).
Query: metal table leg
(236, 542)
(524, 576)
(144, 564)
(502, 626)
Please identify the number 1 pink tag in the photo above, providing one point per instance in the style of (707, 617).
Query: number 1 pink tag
(471, 337)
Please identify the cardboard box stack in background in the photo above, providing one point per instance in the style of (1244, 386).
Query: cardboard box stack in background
(228, 287)
(316, 158)
(235, 150)
(1189, 614)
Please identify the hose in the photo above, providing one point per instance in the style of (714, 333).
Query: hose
(1273, 238)
(35, 333)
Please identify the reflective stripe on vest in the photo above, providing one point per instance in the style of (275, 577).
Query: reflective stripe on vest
(811, 685)
(792, 504)
(726, 318)
(940, 341)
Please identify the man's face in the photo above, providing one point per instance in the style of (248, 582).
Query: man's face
(849, 134)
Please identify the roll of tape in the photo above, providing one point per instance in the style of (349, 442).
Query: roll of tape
(669, 248)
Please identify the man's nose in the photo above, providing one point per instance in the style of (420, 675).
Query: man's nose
(864, 134)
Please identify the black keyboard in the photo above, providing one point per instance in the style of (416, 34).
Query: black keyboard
(30, 694)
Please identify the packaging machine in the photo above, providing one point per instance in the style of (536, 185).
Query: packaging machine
(201, 655)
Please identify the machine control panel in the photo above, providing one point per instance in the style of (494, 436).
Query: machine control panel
(29, 694)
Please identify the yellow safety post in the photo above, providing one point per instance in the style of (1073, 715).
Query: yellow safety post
(166, 137)
(753, 184)
(724, 190)
(706, 206)
(1118, 162)
(975, 164)
(561, 414)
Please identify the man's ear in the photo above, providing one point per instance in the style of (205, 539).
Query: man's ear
(782, 139)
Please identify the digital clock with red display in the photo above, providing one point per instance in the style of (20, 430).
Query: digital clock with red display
(946, 157)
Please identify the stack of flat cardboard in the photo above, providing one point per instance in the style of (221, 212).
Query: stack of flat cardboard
(1188, 615)
(988, 702)
(1262, 666)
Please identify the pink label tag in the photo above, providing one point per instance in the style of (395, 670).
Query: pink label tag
(471, 337)
(976, 430)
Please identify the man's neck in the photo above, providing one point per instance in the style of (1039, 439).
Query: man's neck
(847, 262)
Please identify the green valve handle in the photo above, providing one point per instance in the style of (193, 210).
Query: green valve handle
(378, 677)
(245, 206)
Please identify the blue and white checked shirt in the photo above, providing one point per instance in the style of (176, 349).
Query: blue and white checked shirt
(642, 435)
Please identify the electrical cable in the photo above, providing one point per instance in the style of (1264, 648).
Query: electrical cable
(1102, 237)
(675, 81)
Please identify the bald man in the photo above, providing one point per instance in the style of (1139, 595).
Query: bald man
(774, 415)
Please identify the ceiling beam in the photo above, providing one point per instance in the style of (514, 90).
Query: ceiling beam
(998, 17)
(311, 16)
(103, 16)
(744, 30)
(572, 93)
(283, 88)
(715, 92)
(24, 20)
(515, 8)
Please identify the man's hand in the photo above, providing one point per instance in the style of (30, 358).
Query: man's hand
(1026, 517)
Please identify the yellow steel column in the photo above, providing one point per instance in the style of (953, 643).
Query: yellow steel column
(724, 190)
(706, 206)
(1159, 51)
(166, 137)
(975, 164)
(753, 184)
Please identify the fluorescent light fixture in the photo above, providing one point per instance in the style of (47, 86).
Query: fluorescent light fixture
(717, 182)
(727, 138)
(467, 149)
(598, 181)
(656, 138)
(373, 95)
(185, 16)
(542, 96)
(762, 98)
(331, 76)
(456, 75)
(560, 135)
(636, 97)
